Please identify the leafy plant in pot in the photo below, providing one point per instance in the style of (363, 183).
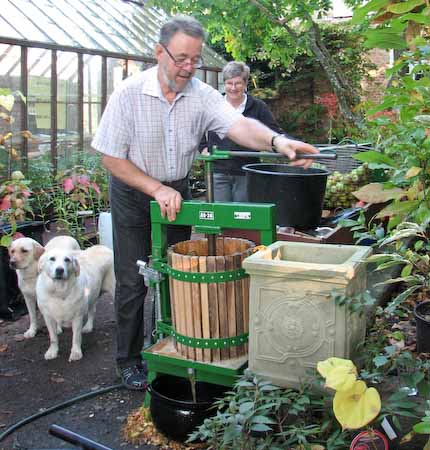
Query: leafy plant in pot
(411, 251)
(74, 200)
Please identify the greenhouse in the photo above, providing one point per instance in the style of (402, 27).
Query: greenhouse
(66, 57)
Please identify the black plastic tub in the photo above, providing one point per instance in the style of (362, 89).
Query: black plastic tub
(173, 411)
(298, 193)
(422, 319)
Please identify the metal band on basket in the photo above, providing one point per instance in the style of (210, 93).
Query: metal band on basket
(206, 277)
(212, 343)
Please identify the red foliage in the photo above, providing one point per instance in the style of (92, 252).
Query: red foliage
(329, 101)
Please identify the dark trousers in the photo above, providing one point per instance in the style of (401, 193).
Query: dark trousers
(131, 227)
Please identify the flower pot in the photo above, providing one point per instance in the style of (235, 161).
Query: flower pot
(422, 318)
(173, 410)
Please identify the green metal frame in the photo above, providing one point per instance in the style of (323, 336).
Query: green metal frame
(209, 218)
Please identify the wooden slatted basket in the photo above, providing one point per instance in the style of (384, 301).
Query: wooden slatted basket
(210, 310)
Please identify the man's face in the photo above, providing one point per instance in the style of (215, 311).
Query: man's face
(183, 48)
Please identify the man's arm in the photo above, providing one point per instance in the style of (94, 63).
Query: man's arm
(168, 199)
(253, 134)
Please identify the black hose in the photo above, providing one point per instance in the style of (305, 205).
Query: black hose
(58, 407)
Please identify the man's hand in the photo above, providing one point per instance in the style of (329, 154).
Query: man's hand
(289, 147)
(169, 201)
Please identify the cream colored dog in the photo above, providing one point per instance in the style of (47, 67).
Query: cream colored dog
(67, 288)
(24, 254)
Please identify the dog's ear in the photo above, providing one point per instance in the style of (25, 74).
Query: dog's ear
(40, 264)
(76, 266)
(38, 250)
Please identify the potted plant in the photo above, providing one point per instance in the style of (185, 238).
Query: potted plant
(76, 201)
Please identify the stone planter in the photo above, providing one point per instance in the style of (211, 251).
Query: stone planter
(294, 322)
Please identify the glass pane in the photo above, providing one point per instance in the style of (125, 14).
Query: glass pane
(10, 67)
(212, 78)
(137, 66)
(10, 152)
(92, 94)
(67, 110)
(115, 68)
(39, 97)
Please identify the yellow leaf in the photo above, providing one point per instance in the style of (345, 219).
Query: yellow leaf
(413, 171)
(375, 193)
(356, 407)
(7, 102)
(340, 374)
(14, 154)
(326, 366)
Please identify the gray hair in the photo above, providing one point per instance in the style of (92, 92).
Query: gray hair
(235, 69)
(181, 24)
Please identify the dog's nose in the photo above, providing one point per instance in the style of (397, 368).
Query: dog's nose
(59, 272)
(12, 264)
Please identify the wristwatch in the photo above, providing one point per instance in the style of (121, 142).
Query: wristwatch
(273, 142)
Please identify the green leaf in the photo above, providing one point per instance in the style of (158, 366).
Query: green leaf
(385, 38)
(422, 428)
(373, 156)
(361, 13)
(404, 7)
(418, 18)
(260, 427)
(380, 361)
(406, 271)
(262, 419)
(6, 240)
(246, 407)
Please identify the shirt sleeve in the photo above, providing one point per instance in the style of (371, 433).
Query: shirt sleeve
(113, 135)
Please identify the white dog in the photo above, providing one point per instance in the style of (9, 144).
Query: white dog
(67, 288)
(24, 254)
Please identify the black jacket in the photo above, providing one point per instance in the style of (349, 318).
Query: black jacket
(256, 109)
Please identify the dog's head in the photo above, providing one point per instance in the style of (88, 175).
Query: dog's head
(59, 264)
(23, 252)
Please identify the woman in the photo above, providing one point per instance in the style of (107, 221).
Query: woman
(229, 178)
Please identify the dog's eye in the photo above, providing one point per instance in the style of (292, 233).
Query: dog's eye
(52, 258)
(24, 250)
(67, 260)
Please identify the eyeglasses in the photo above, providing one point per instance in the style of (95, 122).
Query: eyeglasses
(182, 61)
(231, 84)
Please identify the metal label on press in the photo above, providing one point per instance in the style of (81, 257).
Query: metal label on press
(242, 215)
(207, 215)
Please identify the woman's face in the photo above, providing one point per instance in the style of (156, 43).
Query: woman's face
(234, 88)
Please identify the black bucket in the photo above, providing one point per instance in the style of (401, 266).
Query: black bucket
(297, 192)
(173, 411)
(422, 319)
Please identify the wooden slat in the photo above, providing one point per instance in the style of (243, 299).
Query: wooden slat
(179, 300)
(173, 303)
(219, 247)
(213, 307)
(231, 302)
(204, 297)
(245, 297)
(239, 303)
(222, 306)
(188, 301)
(196, 305)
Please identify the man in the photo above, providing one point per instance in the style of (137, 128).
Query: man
(149, 135)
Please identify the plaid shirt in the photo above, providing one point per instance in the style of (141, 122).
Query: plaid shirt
(160, 138)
